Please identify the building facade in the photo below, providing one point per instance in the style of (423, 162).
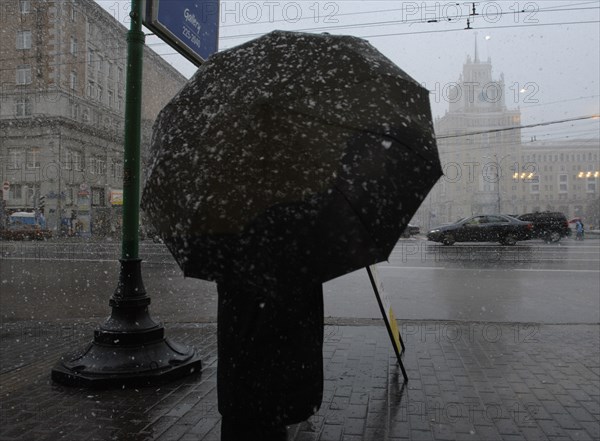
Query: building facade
(489, 169)
(62, 110)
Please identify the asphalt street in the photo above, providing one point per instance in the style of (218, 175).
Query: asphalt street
(530, 282)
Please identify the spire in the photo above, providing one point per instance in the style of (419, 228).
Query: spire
(476, 52)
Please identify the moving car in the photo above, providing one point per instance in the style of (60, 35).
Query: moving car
(488, 228)
(547, 225)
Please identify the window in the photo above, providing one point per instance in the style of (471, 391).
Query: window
(98, 197)
(77, 160)
(73, 81)
(25, 6)
(24, 74)
(591, 185)
(563, 185)
(535, 188)
(100, 166)
(24, 40)
(116, 169)
(73, 46)
(23, 106)
(110, 99)
(91, 89)
(90, 56)
(100, 64)
(73, 160)
(15, 159)
(100, 93)
(15, 192)
(33, 157)
(496, 219)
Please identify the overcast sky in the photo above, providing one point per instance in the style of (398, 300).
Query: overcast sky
(548, 51)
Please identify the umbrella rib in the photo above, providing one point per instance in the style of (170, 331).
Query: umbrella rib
(357, 214)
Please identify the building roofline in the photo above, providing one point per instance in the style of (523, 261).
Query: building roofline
(102, 14)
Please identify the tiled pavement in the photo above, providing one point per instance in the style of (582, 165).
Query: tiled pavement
(467, 381)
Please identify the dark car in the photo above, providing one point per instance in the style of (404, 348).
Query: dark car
(488, 228)
(547, 225)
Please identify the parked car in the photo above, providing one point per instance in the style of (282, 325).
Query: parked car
(488, 228)
(411, 230)
(547, 225)
(24, 226)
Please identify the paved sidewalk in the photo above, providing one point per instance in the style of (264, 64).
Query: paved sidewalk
(468, 381)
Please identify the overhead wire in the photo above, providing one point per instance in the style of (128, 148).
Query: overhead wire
(402, 22)
(504, 129)
(361, 25)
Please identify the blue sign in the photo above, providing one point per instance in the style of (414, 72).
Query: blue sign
(190, 26)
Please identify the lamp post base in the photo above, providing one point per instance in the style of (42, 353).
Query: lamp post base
(129, 349)
(100, 366)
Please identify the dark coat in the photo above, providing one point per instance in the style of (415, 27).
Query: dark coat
(270, 325)
(270, 347)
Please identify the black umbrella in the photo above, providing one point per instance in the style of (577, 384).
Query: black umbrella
(308, 152)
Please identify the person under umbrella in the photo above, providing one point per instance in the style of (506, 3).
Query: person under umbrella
(285, 162)
(270, 340)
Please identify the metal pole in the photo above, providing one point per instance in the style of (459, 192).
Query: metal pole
(133, 123)
(59, 200)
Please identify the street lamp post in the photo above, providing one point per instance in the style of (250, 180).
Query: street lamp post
(498, 177)
(129, 348)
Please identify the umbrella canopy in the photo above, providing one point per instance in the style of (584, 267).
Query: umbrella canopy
(300, 151)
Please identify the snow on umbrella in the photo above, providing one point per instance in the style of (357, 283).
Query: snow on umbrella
(303, 150)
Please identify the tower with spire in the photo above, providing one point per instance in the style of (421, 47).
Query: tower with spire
(478, 140)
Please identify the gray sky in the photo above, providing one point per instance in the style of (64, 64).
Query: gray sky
(549, 52)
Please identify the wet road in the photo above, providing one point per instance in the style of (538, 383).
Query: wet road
(531, 282)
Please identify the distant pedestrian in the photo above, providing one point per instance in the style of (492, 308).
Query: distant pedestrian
(42, 220)
(579, 230)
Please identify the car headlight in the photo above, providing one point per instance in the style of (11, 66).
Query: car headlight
(433, 231)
